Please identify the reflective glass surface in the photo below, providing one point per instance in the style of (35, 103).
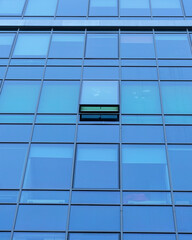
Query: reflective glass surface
(66, 8)
(134, 8)
(6, 40)
(141, 236)
(103, 8)
(41, 8)
(184, 219)
(93, 236)
(11, 7)
(7, 216)
(38, 236)
(166, 8)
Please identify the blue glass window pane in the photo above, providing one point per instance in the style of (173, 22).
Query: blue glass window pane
(93, 236)
(29, 61)
(172, 45)
(56, 118)
(93, 163)
(188, 7)
(6, 40)
(63, 73)
(95, 218)
(147, 162)
(178, 119)
(7, 118)
(11, 164)
(139, 73)
(100, 92)
(177, 97)
(95, 197)
(139, 119)
(8, 196)
(185, 236)
(38, 236)
(147, 198)
(66, 8)
(134, 8)
(98, 134)
(5, 235)
(183, 198)
(41, 8)
(181, 164)
(141, 236)
(140, 97)
(103, 8)
(137, 46)
(19, 97)
(179, 134)
(7, 216)
(58, 162)
(31, 45)
(166, 8)
(41, 218)
(49, 197)
(148, 219)
(25, 73)
(184, 219)
(11, 7)
(15, 133)
(102, 45)
(2, 72)
(108, 73)
(57, 97)
(175, 73)
(67, 46)
(54, 133)
(142, 134)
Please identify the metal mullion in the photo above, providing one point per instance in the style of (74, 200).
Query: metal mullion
(75, 141)
(30, 141)
(56, 9)
(190, 42)
(166, 145)
(150, 6)
(183, 9)
(88, 9)
(24, 8)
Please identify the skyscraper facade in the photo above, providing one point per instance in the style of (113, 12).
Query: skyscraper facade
(95, 120)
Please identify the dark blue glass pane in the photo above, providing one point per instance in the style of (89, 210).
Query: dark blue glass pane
(183, 198)
(25, 73)
(148, 219)
(175, 73)
(184, 219)
(93, 236)
(41, 218)
(72, 8)
(188, 9)
(134, 8)
(54, 133)
(142, 134)
(8, 196)
(58, 162)
(63, 73)
(6, 39)
(41, 8)
(179, 134)
(11, 7)
(103, 8)
(5, 235)
(67, 46)
(11, 164)
(108, 73)
(181, 164)
(95, 218)
(7, 216)
(38, 236)
(102, 45)
(166, 8)
(139, 73)
(141, 236)
(93, 163)
(98, 133)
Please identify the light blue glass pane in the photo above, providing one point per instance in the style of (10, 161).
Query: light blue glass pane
(138, 62)
(137, 46)
(179, 134)
(5, 235)
(41, 218)
(54, 133)
(25, 73)
(19, 97)
(65, 62)
(59, 97)
(8, 196)
(41, 8)
(7, 216)
(98, 133)
(172, 46)
(11, 7)
(183, 198)
(175, 73)
(185, 236)
(49, 197)
(134, 8)
(101, 62)
(16, 118)
(93, 162)
(35, 62)
(142, 134)
(103, 8)
(2, 72)
(188, 9)
(184, 219)
(56, 119)
(139, 73)
(148, 219)
(166, 8)
(178, 119)
(72, 8)
(141, 236)
(38, 236)
(96, 197)
(147, 162)
(67, 46)
(140, 97)
(175, 62)
(102, 45)
(63, 73)
(58, 162)
(4, 61)
(93, 236)
(177, 97)
(100, 92)
(95, 218)
(31, 45)
(147, 198)
(6, 40)
(15, 133)
(181, 164)
(139, 119)
(12, 164)
(108, 73)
